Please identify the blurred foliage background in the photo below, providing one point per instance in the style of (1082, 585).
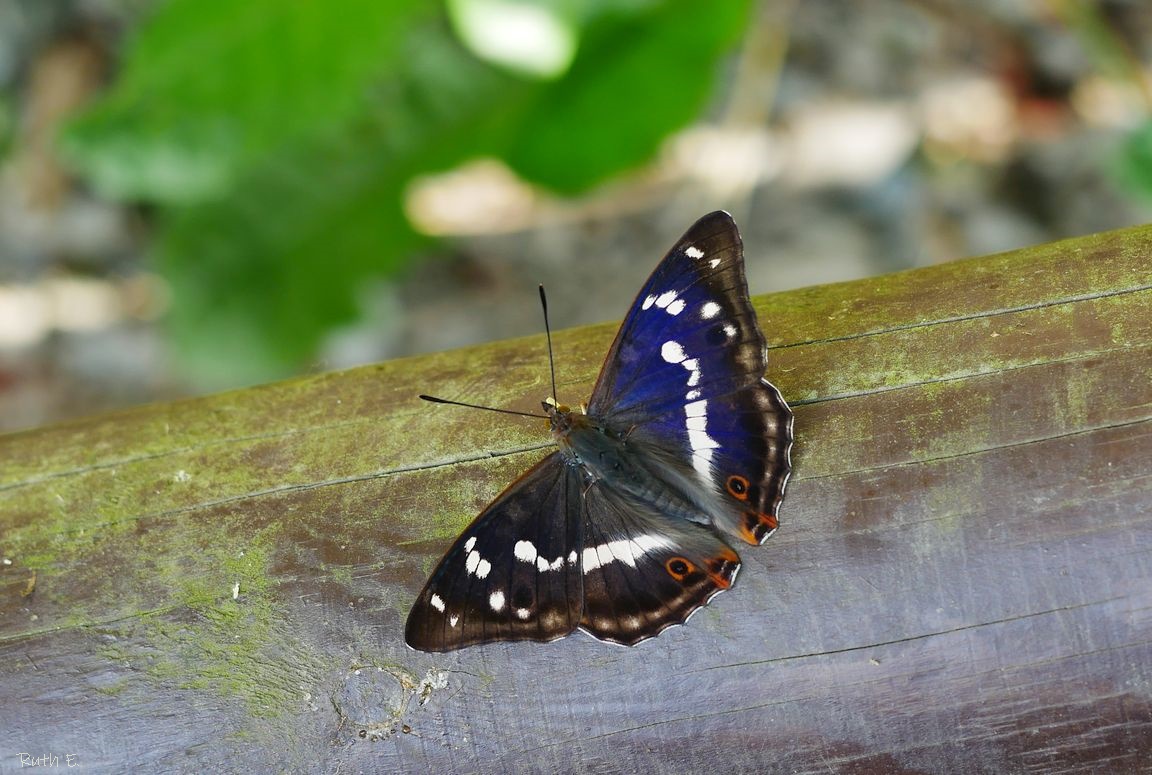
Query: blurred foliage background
(199, 194)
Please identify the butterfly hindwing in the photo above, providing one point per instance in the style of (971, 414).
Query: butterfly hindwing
(644, 572)
(750, 465)
(582, 556)
(514, 572)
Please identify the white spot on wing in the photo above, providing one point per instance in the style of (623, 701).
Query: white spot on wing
(522, 613)
(666, 298)
(477, 565)
(702, 462)
(615, 550)
(696, 423)
(648, 302)
(676, 307)
(525, 551)
(672, 352)
(437, 602)
(625, 550)
(702, 443)
(453, 620)
(496, 601)
(710, 310)
(693, 252)
(544, 566)
(469, 544)
(649, 542)
(693, 366)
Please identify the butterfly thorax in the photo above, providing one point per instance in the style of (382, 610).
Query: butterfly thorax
(609, 460)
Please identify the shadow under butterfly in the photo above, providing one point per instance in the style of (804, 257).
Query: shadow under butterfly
(623, 531)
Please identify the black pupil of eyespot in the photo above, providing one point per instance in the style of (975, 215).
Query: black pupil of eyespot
(679, 567)
(737, 486)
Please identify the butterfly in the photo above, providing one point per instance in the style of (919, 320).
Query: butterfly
(625, 530)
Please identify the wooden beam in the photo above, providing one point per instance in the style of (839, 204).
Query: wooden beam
(962, 581)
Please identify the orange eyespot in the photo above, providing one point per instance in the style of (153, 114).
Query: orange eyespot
(678, 567)
(738, 487)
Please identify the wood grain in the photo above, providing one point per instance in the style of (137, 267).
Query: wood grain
(962, 583)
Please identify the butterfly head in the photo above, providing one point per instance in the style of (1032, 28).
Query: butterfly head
(561, 415)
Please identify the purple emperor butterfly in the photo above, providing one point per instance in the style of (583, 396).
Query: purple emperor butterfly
(624, 531)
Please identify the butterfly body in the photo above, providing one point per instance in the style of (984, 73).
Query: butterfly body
(606, 459)
(620, 531)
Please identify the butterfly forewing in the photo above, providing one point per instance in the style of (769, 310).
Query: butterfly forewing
(691, 333)
(514, 573)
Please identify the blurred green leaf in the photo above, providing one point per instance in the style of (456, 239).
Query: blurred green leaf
(279, 137)
(278, 261)
(635, 79)
(1133, 165)
(7, 126)
(211, 84)
(7, 123)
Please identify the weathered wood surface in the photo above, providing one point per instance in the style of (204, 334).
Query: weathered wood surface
(962, 582)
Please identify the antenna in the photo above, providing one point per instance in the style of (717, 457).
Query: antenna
(548, 333)
(551, 369)
(436, 400)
